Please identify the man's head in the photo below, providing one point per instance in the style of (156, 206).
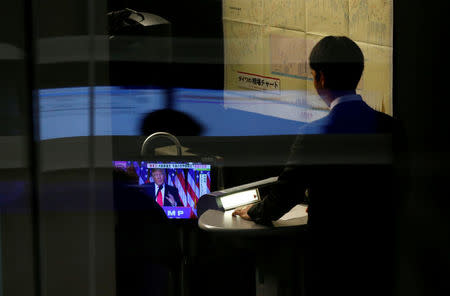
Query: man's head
(337, 64)
(159, 176)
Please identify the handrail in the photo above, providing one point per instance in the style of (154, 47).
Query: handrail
(161, 135)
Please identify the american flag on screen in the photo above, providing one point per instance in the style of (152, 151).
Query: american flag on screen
(144, 175)
(187, 188)
(184, 181)
(174, 180)
(192, 186)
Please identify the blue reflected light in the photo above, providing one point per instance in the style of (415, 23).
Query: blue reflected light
(119, 111)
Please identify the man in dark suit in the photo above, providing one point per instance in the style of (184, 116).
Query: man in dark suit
(337, 64)
(164, 194)
(350, 233)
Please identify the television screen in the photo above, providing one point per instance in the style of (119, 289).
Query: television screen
(175, 186)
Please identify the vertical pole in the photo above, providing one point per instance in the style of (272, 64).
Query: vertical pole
(33, 138)
(91, 148)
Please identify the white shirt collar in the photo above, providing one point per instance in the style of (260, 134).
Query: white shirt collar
(349, 98)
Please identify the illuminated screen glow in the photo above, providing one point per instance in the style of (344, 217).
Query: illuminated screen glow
(188, 180)
(239, 199)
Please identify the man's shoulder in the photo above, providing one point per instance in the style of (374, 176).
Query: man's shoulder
(359, 117)
(314, 127)
(351, 117)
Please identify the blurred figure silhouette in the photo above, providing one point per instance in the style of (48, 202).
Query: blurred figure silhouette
(130, 202)
(147, 248)
(349, 228)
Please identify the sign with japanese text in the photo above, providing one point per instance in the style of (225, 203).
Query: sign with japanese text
(259, 82)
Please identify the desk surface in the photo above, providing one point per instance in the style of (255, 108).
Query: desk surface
(218, 221)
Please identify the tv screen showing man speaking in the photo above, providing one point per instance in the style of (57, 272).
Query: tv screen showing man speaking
(176, 186)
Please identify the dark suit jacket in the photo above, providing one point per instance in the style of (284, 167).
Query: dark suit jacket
(149, 190)
(350, 117)
(351, 199)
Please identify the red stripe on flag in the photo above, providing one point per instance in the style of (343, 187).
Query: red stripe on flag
(191, 189)
(192, 194)
(181, 192)
(186, 190)
(182, 181)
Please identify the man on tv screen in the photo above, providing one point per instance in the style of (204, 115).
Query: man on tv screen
(164, 194)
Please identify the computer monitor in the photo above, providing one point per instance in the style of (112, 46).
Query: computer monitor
(182, 184)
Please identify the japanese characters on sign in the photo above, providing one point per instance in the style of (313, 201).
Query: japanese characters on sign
(259, 82)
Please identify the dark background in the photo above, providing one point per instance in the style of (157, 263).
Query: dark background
(420, 101)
